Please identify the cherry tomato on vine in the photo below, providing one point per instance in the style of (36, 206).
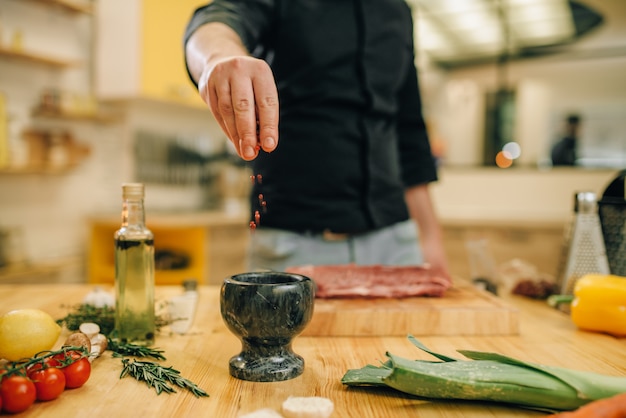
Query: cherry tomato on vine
(49, 383)
(18, 393)
(77, 373)
(76, 368)
(65, 358)
(46, 363)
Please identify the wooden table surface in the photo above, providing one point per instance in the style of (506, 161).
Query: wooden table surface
(546, 336)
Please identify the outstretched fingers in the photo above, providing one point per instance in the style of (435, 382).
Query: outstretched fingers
(266, 98)
(242, 117)
(243, 97)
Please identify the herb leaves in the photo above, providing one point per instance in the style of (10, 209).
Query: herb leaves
(129, 349)
(159, 377)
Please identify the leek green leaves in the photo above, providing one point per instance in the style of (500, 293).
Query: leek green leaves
(488, 377)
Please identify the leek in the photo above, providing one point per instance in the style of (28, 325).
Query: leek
(488, 377)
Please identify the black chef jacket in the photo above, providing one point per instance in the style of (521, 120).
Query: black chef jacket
(351, 132)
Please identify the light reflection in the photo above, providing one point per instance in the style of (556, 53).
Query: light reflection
(503, 161)
(453, 30)
(512, 150)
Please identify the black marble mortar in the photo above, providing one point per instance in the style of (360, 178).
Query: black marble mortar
(266, 310)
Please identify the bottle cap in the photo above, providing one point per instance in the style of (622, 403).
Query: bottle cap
(585, 202)
(132, 190)
(190, 284)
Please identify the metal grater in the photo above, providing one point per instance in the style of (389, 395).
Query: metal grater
(586, 253)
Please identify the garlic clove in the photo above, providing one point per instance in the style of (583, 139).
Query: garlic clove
(98, 346)
(90, 329)
(307, 407)
(78, 339)
(262, 413)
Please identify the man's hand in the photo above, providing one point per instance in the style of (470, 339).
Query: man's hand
(239, 89)
(241, 93)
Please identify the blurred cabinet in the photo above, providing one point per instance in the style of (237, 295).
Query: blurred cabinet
(228, 246)
(139, 50)
(36, 36)
(539, 244)
(188, 241)
(13, 48)
(213, 246)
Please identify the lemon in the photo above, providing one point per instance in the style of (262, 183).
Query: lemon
(26, 332)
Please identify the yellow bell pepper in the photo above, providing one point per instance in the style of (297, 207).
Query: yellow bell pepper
(599, 304)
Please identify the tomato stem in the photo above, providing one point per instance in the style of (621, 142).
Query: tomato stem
(19, 367)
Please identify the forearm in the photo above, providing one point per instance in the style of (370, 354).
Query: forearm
(422, 211)
(209, 44)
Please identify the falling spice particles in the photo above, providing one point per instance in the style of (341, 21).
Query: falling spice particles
(256, 179)
(262, 203)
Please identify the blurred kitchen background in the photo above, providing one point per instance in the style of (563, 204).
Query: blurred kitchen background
(95, 93)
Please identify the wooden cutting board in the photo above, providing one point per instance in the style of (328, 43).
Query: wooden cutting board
(463, 310)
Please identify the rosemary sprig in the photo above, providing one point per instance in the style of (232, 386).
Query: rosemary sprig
(158, 377)
(135, 350)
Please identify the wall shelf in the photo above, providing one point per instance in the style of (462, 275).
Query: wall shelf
(35, 58)
(32, 272)
(36, 170)
(69, 6)
(76, 116)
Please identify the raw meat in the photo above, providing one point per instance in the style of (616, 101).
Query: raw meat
(373, 281)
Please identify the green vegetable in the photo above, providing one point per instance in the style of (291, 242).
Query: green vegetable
(488, 377)
(159, 377)
(80, 313)
(129, 349)
(103, 316)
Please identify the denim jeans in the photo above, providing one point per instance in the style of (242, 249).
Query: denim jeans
(274, 249)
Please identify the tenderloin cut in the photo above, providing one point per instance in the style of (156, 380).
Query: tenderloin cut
(373, 281)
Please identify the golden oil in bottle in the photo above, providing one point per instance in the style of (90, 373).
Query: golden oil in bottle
(134, 271)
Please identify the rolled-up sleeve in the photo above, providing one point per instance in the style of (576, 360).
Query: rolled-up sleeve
(250, 19)
(416, 159)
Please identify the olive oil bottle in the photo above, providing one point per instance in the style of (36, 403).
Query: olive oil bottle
(134, 271)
